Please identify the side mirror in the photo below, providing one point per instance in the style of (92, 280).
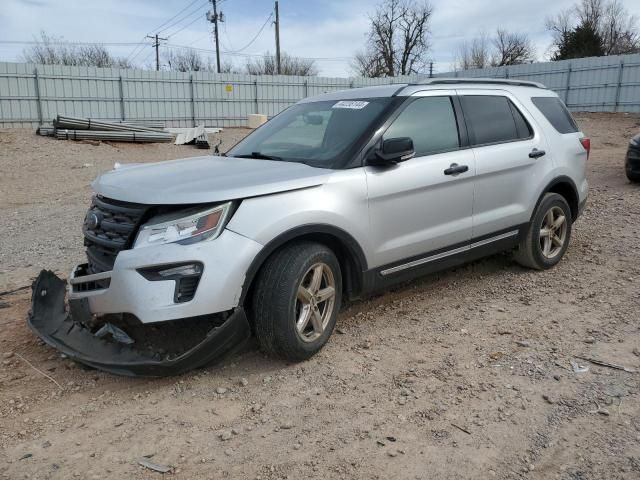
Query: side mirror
(394, 150)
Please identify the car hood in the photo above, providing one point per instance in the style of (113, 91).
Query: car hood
(205, 180)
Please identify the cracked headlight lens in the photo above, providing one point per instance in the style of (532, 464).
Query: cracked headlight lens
(184, 227)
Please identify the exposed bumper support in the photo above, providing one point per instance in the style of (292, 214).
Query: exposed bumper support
(65, 331)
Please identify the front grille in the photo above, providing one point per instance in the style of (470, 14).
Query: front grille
(110, 226)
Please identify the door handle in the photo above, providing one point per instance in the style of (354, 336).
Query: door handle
(455, 169)
(535, 153)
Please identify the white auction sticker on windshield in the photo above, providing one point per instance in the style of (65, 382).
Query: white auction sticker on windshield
(351, 104)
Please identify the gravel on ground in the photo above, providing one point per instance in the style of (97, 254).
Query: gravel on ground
(473, 373)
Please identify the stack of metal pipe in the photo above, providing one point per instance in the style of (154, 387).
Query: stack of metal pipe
(76, 128)
(144, 123)
(113, 136)
(46, 131)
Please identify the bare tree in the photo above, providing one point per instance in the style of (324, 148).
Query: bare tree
(615, 27)
(366, 64)
(397, 42)
(511, 49)
(560, 26)
(473, 54)
(50, 50)
(225, 67)
(185, 61)
(590, 12)
(189, 60)
(619, 30)
(289, 65)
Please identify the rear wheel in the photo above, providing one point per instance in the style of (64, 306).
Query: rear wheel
(548, 234)
(632, 176)
(296, 300)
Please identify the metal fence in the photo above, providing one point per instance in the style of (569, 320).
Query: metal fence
(31, 95)
(595, 84)
(34, 94)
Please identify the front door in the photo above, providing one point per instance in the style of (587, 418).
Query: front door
(421, 206)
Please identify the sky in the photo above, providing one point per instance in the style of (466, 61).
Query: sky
(330, 31)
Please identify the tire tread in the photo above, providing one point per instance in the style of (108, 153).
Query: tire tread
(525, 254)
(270, 299)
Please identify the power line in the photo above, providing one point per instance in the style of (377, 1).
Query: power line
(201, 38)
(140, 46)
(173, 45)
(187, 16)
(256, 35)
(224, 32)
(196, 11)
(186, 26)
(38, 42)
(163, 24)
(237, 54)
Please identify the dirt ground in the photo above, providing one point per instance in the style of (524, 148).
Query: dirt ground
(465, 374)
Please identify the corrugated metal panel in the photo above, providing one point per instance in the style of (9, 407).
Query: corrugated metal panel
(605, 84)
(30, 94)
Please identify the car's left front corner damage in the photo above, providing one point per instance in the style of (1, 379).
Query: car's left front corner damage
(118, 344)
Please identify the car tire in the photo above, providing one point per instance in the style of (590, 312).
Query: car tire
(633, 177)
(547, 237)
(296, 300)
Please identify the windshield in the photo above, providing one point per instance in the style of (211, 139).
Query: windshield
(319, 134)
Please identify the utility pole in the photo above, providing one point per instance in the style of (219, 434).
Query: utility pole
(214, 18)
(156, 44)
(277, 39)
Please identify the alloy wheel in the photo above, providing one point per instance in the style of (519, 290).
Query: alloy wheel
(315, 300)
(553, 232)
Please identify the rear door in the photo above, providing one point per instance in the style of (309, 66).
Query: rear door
(415, 208)
(511, 160)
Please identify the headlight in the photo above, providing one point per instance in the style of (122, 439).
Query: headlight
(184, 227)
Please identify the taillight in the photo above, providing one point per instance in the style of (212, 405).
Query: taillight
(586, 143)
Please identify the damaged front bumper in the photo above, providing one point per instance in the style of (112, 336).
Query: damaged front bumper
(68, 331)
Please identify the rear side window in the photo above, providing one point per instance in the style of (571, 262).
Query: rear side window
(494, 119)
(557, 114)
(430, 122)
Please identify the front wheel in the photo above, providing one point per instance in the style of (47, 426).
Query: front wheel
(548, 234)
(296, 300)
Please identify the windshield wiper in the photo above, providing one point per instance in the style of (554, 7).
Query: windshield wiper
(259, 155)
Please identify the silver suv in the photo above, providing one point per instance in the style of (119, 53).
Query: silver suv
(338, 196)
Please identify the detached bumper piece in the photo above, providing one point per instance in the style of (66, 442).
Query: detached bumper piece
(67, 331)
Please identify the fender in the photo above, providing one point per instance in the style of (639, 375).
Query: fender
(573, 203)
(356, 257)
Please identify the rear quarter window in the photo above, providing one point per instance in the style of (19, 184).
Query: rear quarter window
(557, 114)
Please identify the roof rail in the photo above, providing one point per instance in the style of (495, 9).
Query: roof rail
(492, 81)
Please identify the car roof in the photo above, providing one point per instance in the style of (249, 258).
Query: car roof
(405, 89)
